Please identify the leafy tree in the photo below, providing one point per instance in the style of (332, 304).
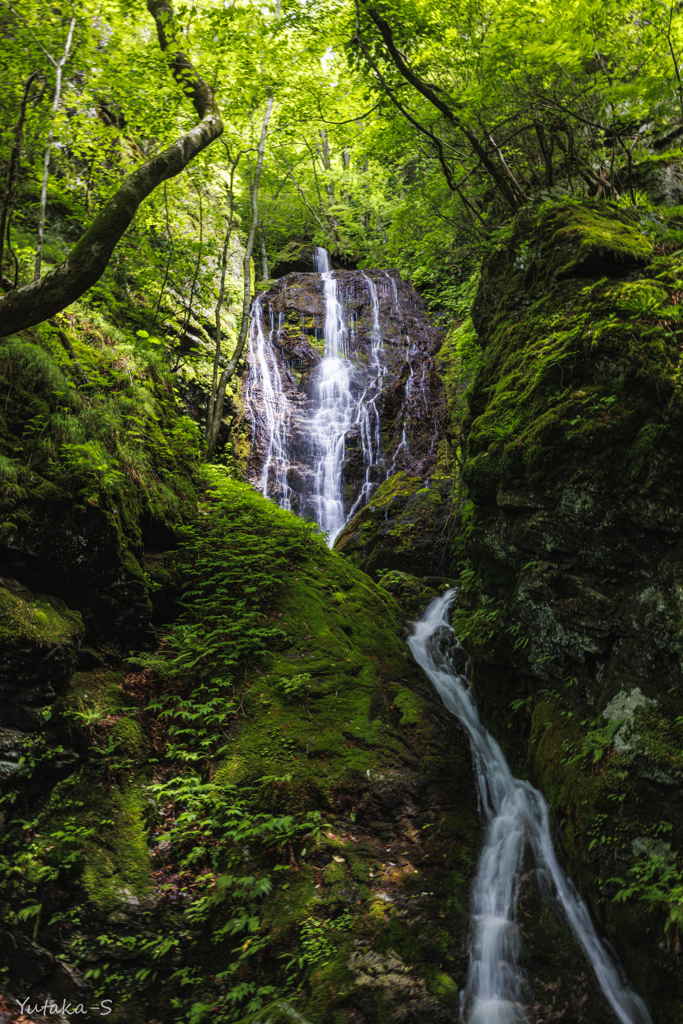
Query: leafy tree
(23, 307)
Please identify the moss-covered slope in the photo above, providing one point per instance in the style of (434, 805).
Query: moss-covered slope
(97, 463)
(257, 812)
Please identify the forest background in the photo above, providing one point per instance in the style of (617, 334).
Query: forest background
(159, 165)
(392, 134)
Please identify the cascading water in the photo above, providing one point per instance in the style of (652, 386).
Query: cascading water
(265, 378)
(367, 417)
(516, 816)
(335, 413)
(342, 402)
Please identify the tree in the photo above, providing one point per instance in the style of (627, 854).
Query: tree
(23, 307)
(214, 414)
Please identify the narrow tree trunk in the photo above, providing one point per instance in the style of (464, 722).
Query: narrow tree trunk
(264, 255)
(168, 261)
(200, 253)
(327, 163)
(215, 414)
(59, 67)
(85, 264)
(221, 294)
(14, 163)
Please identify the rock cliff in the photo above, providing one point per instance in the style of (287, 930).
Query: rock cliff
(571, 606)
(400, 388)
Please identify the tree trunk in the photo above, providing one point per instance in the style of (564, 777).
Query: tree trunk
(14, 163)
(59, 67)
(85, 264)
(264, 255)
(215, 410)
(327, 163)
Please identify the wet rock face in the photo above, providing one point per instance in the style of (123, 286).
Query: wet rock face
(401, 385)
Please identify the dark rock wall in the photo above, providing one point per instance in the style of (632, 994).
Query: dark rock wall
(573, 597)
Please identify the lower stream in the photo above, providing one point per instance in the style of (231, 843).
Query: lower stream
(516, 818)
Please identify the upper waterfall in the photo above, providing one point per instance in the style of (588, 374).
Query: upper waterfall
(332, 394)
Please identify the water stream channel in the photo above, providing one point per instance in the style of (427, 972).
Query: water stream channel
(516, 816)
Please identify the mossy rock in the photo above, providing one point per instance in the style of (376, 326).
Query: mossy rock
(112, 841)
(404, 527)
(570, 542)
(39, 637)
(87, 483)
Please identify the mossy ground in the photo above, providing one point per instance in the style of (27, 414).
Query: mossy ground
(354, 860)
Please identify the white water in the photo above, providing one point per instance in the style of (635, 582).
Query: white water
(344, 401)
(367, 415)
(340, 409)
(265, 377)
(334, 416)
(516, 816)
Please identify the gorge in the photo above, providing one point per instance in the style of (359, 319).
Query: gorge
(341, 404)
(341, 513)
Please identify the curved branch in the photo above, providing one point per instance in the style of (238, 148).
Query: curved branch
(40, 300)
(507, 185)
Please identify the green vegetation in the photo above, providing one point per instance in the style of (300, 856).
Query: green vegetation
(224, 780)
(213, 737)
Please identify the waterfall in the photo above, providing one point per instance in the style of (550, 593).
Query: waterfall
(367, 417)
(335, 412)
(265, 380)
(516, 816)
(344, 400)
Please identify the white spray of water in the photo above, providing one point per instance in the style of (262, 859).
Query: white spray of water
(367, 416)
(335, 411)
(265, 381)
(515, 815)
(339, 407)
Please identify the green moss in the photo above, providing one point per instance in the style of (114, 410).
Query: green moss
(41, 621)
(398, 485)
(581, 236)
(410, 707)
(130, 739)
(97, 688)
(402, 528)
(117, 868)
(91, 437)
(99, 833)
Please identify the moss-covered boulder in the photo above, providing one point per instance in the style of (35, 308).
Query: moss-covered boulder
(404, 527)
(39, 638)
(572, 541)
